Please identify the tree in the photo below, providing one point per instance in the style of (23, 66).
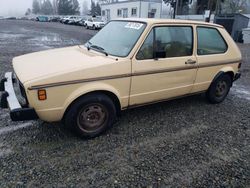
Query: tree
(98, 9)
(68, 7)
(55, 6)
(46, 7)
(75, 7)
(234, 6)
(36, 7)
(85, 9)
(203, 5)
(95, 8)
(28, 12)
(64, 7)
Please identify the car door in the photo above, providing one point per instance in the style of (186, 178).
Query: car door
(165, 65)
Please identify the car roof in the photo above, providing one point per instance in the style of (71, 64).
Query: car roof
(170, 21)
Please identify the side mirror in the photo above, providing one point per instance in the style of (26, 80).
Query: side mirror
(160, 54)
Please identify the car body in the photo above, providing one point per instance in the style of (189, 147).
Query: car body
(73, 20)
(154, 60)
(65, 19)
(55, 19)
(24, 18)
(70, 20)
(94, 23)
(42, 18)
(11, 18)
(81, 22)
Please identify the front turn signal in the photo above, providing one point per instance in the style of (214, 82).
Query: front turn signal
(42, 94)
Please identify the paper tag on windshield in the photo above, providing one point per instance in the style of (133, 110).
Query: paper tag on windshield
(133, 25)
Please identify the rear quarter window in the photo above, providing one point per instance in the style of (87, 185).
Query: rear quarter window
(210, 41)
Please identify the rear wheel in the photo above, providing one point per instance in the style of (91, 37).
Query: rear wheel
(91, 115)
(219, 89)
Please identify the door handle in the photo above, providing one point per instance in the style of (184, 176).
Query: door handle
(190, 62)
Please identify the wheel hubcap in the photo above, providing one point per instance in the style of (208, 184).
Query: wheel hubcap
(92, 117)
(221, 88)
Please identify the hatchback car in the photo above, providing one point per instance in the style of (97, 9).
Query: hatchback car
(94, 23)
(128, 63)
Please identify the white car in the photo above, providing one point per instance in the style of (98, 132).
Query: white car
(94, 23)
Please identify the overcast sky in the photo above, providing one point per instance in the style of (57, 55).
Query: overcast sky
(18, 7)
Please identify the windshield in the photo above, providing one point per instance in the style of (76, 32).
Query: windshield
(118, 38)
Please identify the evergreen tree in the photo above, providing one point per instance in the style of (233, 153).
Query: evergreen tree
(64, 7)
(98, 9)
(68, 7)
(75, 7)
(93, 8)
(28, 12)
(36, 7)
(85, 9)
(55, 6)
(46, 7)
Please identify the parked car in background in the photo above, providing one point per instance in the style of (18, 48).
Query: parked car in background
(129, 63)
(81, 22)
(94, 23)
(32, 18)
(69, 20)
(24, 18)
(11, 18)
(54, 19)
(42, 18)
(73, 20)
(63, 19)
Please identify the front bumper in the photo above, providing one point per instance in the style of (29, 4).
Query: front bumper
(9, 100)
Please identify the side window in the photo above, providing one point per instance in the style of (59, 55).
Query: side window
(166, 42)
(210, 41)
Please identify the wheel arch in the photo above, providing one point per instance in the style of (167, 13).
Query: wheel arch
(111, 93)
(227, 70)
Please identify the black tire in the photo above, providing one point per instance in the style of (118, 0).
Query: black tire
(87, 27)
(91, 115)
(219, 89)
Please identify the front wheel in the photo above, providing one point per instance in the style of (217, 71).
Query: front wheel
(91, 115)
(219, 89)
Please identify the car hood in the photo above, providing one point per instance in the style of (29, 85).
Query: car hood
(58, 61)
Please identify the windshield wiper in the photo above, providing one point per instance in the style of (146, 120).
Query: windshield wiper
(98, 48)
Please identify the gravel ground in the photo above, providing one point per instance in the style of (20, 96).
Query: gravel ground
(181, 143)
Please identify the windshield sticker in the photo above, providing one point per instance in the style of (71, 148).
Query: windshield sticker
(134, 25)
